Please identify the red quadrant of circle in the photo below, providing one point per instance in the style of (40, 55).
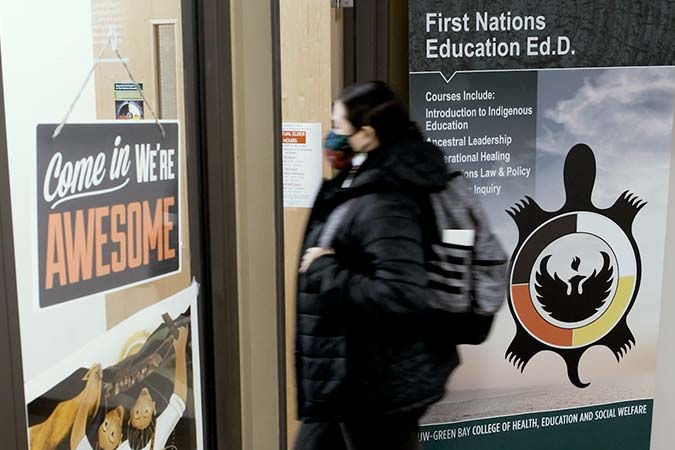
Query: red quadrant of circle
(534, 323)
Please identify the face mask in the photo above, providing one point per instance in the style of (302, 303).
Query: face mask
(338, 151)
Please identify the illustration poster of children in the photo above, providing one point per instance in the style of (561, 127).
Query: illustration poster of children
(148, 399)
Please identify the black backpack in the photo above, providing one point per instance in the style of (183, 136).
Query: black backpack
(469, 279)
(467, 265)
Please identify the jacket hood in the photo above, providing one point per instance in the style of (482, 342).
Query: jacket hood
(411, 165)
(418, 164)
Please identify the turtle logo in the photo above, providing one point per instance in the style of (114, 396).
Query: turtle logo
(575, 273)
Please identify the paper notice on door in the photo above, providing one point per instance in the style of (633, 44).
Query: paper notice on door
(302, 163)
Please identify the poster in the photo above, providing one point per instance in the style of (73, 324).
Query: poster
(107, 207)
(302, 163)
(560, 115)
(135, 385)
(129, 102)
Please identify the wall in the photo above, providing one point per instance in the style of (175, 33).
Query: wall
(311, 69)
(253, 112)
(663, 432)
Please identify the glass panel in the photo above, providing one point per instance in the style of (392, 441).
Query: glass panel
(107, 307)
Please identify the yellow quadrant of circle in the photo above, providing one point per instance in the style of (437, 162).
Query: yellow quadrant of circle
(593, 331)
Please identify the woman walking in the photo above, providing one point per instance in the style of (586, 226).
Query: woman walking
(368, 364)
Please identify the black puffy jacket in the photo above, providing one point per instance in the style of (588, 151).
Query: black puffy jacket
(365, 344)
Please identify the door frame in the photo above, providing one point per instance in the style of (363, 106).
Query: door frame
(213, 234)
(210, 101)
(375, 43)
(279, 224)
(13, 413)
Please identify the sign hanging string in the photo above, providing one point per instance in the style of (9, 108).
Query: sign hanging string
(107, 45)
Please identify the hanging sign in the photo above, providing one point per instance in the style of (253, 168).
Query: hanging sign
(108, 207)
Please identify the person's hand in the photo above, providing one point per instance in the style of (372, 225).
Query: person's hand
(181, 341)
(90, 398)
(311, 255)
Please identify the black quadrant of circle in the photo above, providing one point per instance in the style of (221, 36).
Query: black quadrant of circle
(536, 244)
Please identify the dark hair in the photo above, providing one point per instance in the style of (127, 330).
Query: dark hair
(374, 104)
(139, 439)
